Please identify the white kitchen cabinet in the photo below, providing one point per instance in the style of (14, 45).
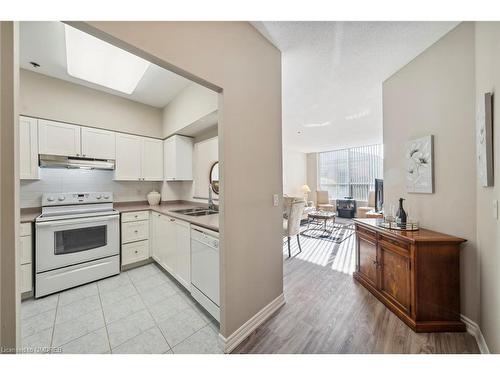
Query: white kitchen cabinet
(138, 158)
(183, 252)
(172, 247)
(25, 259)
(57, 138)
(178, 158)
(128, 157)
(152, 159)
(135, 237)
(28, 148)
(98, 143)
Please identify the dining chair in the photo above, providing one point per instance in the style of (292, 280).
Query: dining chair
(292, 225)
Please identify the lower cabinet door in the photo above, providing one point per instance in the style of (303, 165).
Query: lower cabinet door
(26, 278)
(166, 243)
(367, 259)
(183, 252)
(395, 276)
(135, 252)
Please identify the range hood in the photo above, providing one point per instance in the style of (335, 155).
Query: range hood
(71, 162)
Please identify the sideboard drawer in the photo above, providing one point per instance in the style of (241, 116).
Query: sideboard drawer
(392, 241)
(135, 231)
(366, 231)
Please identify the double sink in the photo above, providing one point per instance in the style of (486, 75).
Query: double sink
(197, 211)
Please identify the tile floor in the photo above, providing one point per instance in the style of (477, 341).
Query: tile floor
(138, 311)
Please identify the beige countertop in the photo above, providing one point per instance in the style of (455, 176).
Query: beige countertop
(210, 221)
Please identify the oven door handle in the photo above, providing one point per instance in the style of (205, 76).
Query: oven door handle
(54, 223)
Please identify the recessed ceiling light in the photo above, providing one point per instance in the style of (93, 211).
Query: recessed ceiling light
(317, 125)
(96, 61)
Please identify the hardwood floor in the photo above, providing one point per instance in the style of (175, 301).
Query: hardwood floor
(326, 311)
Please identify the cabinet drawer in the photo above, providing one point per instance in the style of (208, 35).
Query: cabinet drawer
(135, 216)
(25, 278)
(135, 252)
(135, 231)
(394, 242)
(25, 249)
(25, 229)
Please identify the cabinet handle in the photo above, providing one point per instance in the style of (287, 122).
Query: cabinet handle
(136, 251)
(172, 219)
(135, 231)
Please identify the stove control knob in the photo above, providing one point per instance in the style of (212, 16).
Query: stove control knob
(98, 196)
(61, 198)
(106, 196)
(50, 199)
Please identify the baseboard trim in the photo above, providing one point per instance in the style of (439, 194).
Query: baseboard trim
(474, 329)
(237, 337)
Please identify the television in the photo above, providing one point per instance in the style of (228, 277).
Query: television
(379, 194)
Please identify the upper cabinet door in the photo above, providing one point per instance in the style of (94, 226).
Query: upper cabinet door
(178, 158)
(98, 144)
(128, 157)
(28, 148)
(57, 138)
(152, 159)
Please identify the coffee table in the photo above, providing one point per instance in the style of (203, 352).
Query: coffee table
(318, 216)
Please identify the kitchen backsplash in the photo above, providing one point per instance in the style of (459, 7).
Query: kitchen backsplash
(78, 180)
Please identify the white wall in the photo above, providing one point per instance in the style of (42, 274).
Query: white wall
(78, 180)
(191, 104)
(434, 94)
(488, 228)
(55, 99)
(294, 172)
(205, 153)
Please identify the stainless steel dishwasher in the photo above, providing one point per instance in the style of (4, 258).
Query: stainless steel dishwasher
(205, 282)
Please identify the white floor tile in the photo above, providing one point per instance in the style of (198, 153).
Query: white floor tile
(92, 343)
(180, 326)
(143, 272)
(117, 294)
(37, 323)
(113, 282)
(39, 343)
(150, 282)
(124, 329)
(78, 293)
(34, 307)
(161, 292)
(168, 307)
(80, 307)
(122, 309)
(80, 326)
(205, 341)
(148, 342)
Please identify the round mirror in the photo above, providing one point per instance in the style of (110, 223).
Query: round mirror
(214, 177)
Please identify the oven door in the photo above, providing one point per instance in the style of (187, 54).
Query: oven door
(61, 243)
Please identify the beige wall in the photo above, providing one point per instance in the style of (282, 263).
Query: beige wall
(488, 228)
(237, 58)
(294, 172)
(191, 104)
(9, 185)
(51, 98)
(434, 94)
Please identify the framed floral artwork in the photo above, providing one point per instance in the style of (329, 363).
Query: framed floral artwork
(484, 141)
(420, 165)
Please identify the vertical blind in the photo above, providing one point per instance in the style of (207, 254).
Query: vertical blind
(350, 172)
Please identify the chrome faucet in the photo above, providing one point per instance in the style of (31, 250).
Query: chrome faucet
(211, 205)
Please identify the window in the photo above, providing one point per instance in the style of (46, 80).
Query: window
(350, 172)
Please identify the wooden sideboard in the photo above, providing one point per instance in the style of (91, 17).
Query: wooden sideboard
(415, 274)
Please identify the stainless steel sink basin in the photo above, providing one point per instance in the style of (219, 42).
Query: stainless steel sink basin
(202, 213)
(196, 211)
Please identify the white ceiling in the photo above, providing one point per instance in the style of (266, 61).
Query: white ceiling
(332, 76)
(44, 43)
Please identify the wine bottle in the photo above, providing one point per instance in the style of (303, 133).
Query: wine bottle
(401, 214)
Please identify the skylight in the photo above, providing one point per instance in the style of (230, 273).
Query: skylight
(99, 62)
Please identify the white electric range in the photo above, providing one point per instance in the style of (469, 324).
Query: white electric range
(77, 241)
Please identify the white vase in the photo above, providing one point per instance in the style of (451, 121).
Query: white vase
(154, 198)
